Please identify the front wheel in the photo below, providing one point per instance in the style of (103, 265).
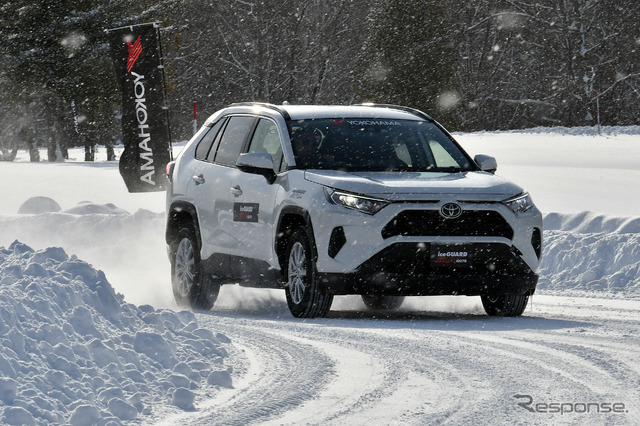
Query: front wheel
(509, 305)
(192, 287)
(305, 295)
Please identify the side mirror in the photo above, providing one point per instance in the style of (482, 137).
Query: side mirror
(259, 163)
(486, 163)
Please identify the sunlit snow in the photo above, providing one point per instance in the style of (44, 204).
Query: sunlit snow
(88, 326)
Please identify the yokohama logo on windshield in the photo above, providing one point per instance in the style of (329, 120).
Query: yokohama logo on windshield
(373, 123)
(135, 49)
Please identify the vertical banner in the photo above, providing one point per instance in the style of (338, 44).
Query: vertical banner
(137, 58)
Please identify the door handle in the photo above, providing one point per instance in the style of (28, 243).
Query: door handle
(236, 191)
(199, 180)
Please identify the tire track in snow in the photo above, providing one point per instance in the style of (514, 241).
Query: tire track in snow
(370, 372)
(418, 384)
(553, 358)
(418, 368)
(278, 375)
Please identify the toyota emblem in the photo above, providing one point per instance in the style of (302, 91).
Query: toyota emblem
(450, 211)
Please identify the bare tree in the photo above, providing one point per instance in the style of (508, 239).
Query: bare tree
(540, 63)
(270, 51)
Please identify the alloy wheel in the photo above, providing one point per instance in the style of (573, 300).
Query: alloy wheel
(297, 272)
(184, 267)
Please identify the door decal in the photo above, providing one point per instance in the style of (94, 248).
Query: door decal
(245, 212)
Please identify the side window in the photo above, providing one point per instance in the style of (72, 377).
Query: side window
(441, 151)
(207, 140)
(233, 139)
(442, 156)
(266, 139)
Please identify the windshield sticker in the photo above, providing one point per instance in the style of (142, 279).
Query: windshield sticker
(374, 123)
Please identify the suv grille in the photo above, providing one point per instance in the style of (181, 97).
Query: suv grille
(472, 223)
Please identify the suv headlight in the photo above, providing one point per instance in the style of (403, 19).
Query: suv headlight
(357, 202)
(520, 203)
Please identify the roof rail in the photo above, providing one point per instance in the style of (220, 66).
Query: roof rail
(282, 112)
(402, 108)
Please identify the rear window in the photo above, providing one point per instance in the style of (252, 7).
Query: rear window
(204, 146)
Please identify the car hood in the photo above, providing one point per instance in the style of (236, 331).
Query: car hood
(463, 186)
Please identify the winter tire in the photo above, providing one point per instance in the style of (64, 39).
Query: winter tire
(192, 287)
(305, 295)
(382, 302)
(509, 305)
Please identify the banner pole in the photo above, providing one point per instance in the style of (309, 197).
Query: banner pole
(598, 109)
(164, 88)
(195, 118)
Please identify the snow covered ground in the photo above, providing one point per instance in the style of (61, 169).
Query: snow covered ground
(89, 330)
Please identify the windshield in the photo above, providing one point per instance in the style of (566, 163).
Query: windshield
(375, 145)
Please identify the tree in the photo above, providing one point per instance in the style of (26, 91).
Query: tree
(268, 51)
(524, 64)
(408, 57)
(575, 42)
(475, 64)
(56, 54)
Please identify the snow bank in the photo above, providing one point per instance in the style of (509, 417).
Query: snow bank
(129, 247)
(566, 131)
(587, 254)
(72, 351)
(591, 223)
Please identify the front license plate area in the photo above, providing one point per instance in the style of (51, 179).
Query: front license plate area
(451, 256)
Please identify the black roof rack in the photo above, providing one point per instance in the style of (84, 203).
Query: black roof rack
(282, 112)
(402, 108)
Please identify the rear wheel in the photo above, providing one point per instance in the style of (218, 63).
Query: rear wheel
(509, 305)
(192, 287)
(305, 295)
(382, 302)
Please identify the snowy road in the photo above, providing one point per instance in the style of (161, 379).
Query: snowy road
(570, 360)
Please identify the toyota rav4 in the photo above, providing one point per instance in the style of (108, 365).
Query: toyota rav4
(374, 200)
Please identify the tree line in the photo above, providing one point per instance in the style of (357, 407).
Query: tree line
(472, 64)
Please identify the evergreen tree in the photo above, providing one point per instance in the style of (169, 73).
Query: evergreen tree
(408, 57)
(55, 54)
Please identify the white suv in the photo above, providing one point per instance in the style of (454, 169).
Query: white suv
(375, 200)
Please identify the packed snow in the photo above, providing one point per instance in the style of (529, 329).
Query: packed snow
(74, 352)
(90, 333)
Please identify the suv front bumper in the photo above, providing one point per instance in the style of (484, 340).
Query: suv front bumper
(407, 269)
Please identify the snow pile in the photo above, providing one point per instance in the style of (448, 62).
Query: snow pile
(564, 131)
(72, 351)
(591, 223)
(585, 254)
(35, 205)
(129, 247)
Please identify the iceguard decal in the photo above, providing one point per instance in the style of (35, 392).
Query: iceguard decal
(245, 212)
(451, 255)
